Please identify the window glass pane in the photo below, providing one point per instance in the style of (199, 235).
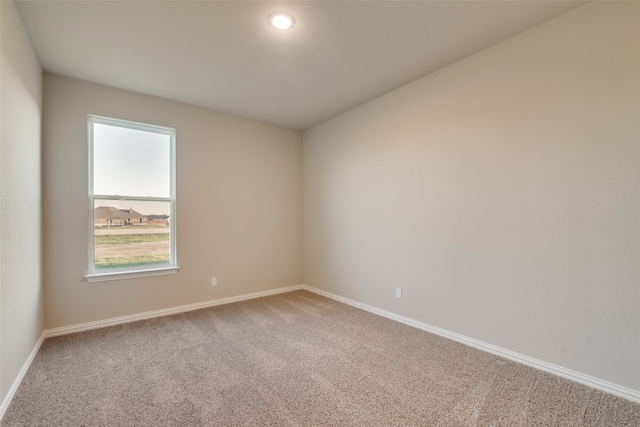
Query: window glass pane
(130, 233)
(130, 162)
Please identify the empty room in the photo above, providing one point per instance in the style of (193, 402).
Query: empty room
(320, 213)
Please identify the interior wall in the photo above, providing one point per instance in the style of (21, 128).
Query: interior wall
(21, 321)
(501, 193)
(239, 205)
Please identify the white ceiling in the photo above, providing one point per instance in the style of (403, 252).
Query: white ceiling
(223, 54)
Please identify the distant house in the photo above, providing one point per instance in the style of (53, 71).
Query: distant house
(158, 220)
(108, 216)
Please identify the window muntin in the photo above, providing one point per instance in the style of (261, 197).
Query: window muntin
(132, 198)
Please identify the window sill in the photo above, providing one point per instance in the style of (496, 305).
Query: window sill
(129, 274)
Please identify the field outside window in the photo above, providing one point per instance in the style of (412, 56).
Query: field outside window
(125, 236)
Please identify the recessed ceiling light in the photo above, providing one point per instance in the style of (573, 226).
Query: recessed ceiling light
(281, 20)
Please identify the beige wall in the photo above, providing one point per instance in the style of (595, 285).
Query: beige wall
(21, 321)
(239, 205)
(502, 193)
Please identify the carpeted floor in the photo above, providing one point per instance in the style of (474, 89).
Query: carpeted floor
(294, 359)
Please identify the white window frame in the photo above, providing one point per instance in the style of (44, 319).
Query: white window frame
(138, 271)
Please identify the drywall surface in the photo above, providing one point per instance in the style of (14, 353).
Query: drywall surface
(239, 205)
(502, 194)
(21, 320)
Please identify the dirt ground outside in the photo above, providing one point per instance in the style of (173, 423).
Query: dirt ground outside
(125, 247)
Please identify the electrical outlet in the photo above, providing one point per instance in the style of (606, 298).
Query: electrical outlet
(399, 293)
(214, 281)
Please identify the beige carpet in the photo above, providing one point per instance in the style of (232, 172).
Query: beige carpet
(293, 359)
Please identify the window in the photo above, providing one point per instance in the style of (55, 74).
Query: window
(132, 200)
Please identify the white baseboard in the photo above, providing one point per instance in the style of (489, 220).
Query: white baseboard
(14, 387)
(596, 383)
(163, 312)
